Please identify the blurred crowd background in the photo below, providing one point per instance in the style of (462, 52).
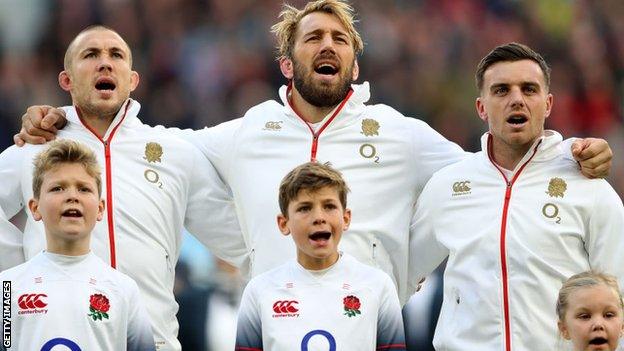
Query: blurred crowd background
(203, 62)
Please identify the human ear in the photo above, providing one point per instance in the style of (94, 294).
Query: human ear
(282, 224)
(356, 71)
(101, 207)
(65, 80)
(563, 330)
(287, 67)
(481, 110)
(134, 80)
(33, 205)
(346, 217)
(549, 105)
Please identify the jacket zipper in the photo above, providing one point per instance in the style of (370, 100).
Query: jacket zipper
(503, 237)
(109, 181)
(317, 134)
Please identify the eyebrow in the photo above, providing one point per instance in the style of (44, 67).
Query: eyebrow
(522, 84)
(319, 31)
(96, 49)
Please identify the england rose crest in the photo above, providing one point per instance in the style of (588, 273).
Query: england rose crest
(99, 307)
(351, 306)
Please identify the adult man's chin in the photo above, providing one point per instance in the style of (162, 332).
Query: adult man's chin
(321, 94)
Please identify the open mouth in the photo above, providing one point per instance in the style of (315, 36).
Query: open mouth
(326, 69)
(72, 213)
(105, 84)
(598, 341)
(517, 119)
(320, 236)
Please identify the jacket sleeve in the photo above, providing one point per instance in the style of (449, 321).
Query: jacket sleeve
(390, 329)
(249, 325)
(211, 213)
(11, 202)
(432, 152)
(140, 336)
(605, 240)
(425, 252)
(213, 142)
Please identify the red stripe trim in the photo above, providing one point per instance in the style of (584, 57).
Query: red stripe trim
(391, 346)
(109, 181)
(503, 237)
(315, 135)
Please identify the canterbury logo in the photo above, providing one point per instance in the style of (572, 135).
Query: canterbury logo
(285, 306)
(272, 125)
(460, 188)
(31, 301)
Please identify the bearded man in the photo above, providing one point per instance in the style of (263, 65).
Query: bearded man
(385, 157)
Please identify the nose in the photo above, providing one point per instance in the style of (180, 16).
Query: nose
(598, 324)
(105, 63)
(72, 195)
(319, 216)
(516, 98)
(327, 43)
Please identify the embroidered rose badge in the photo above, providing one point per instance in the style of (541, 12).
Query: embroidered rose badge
(99, 307)
(351, 306)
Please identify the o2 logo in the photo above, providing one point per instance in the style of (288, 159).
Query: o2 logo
(323, 333)
(72, 346)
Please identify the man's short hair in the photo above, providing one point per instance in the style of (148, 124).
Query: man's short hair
(62, 152)
(70, 48)
(511, 52)
(311, 177)
(286, 29)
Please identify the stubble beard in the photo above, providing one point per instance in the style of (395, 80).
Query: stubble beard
(100, 110)
(321, 95)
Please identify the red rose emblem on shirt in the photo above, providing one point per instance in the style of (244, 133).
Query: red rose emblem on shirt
(351, 306)
(99, 306)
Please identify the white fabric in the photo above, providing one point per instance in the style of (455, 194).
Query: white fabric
(385, 167)
(55, 293)
(151, 203)
(318, 304)
(542, 249)
(11, 247)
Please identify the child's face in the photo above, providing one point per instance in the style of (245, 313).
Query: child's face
(316, 221)
(69, 204)
(593, 320)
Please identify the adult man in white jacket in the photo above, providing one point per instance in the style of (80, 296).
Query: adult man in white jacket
(515, 220)
(155, 184)
(385, 157)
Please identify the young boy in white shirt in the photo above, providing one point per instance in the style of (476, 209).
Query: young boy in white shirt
(325, 300)
(65, 295)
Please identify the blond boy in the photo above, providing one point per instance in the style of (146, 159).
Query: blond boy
(323, 300)
(65, 295)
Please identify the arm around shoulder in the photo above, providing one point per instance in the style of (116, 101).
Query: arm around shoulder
(432, 151)
(425, 252)
(211, 214)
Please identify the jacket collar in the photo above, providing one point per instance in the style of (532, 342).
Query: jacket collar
(549, 147)
(127, 114)
(349, 113)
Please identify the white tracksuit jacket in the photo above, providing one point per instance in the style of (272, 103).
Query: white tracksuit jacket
(154, 185)
(510, 247)
(385, 158)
